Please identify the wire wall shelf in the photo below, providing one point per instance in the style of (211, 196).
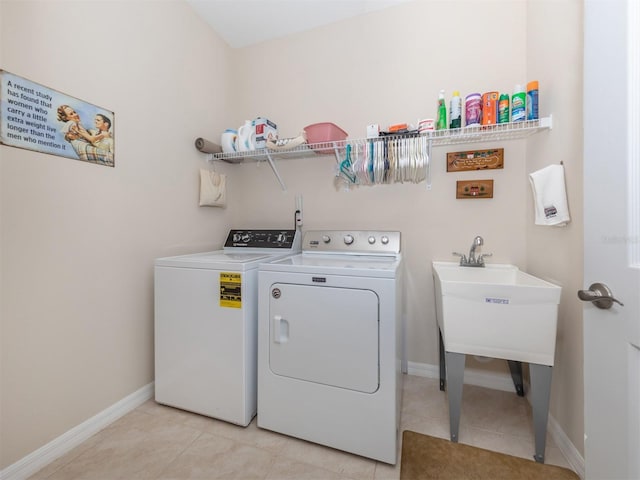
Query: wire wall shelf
(432, 138)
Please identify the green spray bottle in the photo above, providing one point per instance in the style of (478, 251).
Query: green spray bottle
(503, 108)
(441, 123)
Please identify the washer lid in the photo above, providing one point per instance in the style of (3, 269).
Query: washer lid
(328, 264)
(218, 260)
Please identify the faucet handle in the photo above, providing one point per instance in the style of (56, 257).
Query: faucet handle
(482, 255)
(463, 257)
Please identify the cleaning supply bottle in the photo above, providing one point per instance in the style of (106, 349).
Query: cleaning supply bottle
(532, 100)
(473, 110)
(441, 123)
(455, 110)
(503, 108)
(518, 105)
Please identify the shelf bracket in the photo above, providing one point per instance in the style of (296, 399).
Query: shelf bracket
(337, 153)
(275, 170)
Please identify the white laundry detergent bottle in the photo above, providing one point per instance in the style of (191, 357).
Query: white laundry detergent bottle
(246, 137)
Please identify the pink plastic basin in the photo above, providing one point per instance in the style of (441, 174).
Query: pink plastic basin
(324, 133)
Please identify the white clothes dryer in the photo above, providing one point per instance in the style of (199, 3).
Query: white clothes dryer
(206, 310)
(330, 340)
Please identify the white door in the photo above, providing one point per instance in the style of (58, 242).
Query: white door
(325, 335)
(612, 237)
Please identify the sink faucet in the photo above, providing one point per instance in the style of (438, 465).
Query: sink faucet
(472, 260)
(477, 242)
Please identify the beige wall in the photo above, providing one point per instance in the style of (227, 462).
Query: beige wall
(78, 239)
(557, 253)
(387, 67)
(82, 238)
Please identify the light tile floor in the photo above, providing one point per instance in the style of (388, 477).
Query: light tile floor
(163, 443)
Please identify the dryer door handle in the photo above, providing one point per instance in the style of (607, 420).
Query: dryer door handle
(280, 329)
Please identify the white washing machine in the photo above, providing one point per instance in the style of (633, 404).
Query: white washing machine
(330, 340)
(206, 310)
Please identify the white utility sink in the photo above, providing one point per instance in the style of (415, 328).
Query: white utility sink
(496, 311)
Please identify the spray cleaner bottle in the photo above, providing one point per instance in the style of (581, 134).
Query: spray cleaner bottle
(518, 105)
(441, 123)
(455, 110)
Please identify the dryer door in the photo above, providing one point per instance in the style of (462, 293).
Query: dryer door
(325, 335)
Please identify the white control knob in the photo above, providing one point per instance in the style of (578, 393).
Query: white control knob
(372, 240)
(348, 239)
(326, 238)
(384, 239)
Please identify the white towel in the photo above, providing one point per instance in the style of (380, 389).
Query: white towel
(550, 196)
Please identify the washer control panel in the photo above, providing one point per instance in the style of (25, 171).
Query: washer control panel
(261, 239)
(359, 242)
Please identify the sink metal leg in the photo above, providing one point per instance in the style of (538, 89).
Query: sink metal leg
(540, 393)
(455, 378)
(443, 372)
(516, 374)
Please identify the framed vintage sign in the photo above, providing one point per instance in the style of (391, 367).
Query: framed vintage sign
(475, 160)
(474, 188)
(35, 117)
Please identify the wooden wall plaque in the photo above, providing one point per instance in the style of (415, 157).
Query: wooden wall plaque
(474, 189)
(475, 160)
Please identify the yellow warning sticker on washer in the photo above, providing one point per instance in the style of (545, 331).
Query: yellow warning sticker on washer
(230, 290)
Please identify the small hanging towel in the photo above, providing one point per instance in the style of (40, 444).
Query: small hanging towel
(213, 189)
(550, 196)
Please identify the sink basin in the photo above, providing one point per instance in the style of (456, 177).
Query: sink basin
(496, 311)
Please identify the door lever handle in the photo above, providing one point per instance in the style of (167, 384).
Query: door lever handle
(600, 295)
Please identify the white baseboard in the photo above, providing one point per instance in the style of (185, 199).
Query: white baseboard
(495, 381)
(499, 381)
(66, 442)
(567, 448)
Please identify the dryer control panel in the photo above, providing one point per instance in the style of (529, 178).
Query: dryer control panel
(284, 239)
(355, 242)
